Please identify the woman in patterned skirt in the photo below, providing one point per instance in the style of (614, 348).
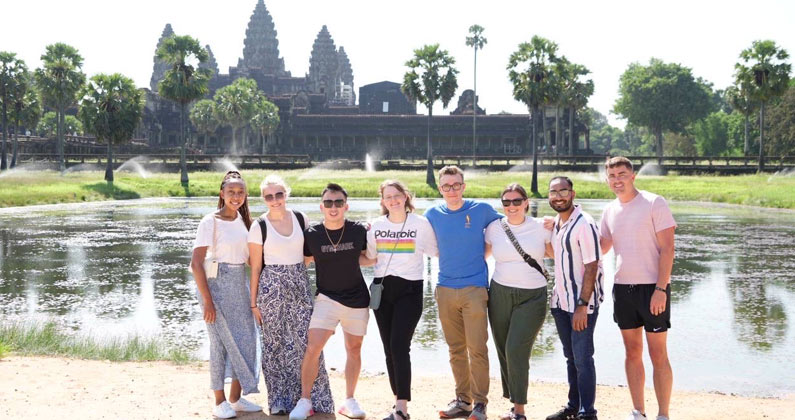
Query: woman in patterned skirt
(281, 301)
(223, 293)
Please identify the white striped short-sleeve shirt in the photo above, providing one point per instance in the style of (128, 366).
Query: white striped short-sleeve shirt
(576, 243)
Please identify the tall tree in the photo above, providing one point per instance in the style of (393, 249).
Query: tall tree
(27, 110)
(575, 96)
(184, 82)
(663, 97)
(265, 120)
(781, 124)
(236, 104)
(13, 73)
(59, 82)
(111, 108)
(204, 119)
(764, 66)
(431, 77)
(530, 70)
(741, 101)
(476, 41)
(48, 125)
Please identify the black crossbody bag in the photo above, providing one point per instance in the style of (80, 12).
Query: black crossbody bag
(525, 256)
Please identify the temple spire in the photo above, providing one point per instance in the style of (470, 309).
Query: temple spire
(210, 63)
(261, 47)
(323, 74)
(160, 67)
(348, 94)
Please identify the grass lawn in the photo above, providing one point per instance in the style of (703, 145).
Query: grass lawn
(21, 188)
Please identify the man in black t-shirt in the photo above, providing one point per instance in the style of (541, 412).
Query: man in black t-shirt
(342, 297)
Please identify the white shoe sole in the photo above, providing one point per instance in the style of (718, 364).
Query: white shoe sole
(359, 417)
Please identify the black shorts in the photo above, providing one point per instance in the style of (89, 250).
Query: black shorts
(631, 308)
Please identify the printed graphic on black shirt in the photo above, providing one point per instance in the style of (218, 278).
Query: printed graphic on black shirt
(336, 254)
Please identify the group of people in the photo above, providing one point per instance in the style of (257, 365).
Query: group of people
(294, 327)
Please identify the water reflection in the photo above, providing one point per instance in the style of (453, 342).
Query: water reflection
(122, 268)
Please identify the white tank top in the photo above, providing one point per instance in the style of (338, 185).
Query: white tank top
(279, 249)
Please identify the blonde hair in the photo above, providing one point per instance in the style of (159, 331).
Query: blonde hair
(409, 206)
(618, 161)
(274, 179)
(451, 170)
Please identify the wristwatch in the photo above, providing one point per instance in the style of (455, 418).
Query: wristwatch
(582, 302)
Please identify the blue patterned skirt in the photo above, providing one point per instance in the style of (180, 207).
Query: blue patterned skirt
(284, 299)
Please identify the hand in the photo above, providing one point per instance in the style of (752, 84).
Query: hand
(579, 322)
(209, 312)
(549, 223)
(257, 315)
(657, 305)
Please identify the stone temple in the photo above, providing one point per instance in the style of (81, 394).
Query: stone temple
(319, 113)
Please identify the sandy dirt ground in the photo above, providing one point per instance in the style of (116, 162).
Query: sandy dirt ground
(57, 388)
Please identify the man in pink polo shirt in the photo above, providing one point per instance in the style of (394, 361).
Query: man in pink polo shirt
(639, 226)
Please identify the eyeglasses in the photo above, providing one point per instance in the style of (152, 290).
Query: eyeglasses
(559, 193)
(393, 197)
(277, 196)
(516, 202)
(336, 203)
(455, 187)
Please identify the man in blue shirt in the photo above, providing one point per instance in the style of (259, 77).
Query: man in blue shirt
(461, 292)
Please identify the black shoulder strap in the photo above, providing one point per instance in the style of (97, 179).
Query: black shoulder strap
(300, 218)
(263, 227)
(525, 256)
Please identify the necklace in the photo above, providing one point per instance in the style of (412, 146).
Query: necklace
(333, 245)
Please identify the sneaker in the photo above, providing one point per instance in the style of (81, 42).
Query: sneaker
(518, 417)
(636, 415)
(350, 409)
(224, 411)
(245, 405)
(566, 413)
(662, 418)
(278, 411)
(587, 417)
(506, 416)
(479, 412)
(397, 415)
(457, 408)
(302, 410)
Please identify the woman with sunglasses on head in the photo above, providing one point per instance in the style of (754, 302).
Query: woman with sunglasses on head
(281, 300)
(398, 240)
(518, 292)
(218, 264)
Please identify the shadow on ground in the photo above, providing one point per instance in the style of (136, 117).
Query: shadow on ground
(109, 190)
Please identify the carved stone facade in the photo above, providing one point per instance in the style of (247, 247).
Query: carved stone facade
(465, 103)
(261, 46)
(160, 67)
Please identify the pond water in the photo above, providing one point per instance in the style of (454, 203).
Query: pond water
(121, 268)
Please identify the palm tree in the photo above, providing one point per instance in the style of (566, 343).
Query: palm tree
(265, 120)
(477, 41)
(27, 110)
(59, 82)
(741, 100)
(204, 119)
(184, 82)
(13, 72)
(110, 108)
(763, 66)
(575, 96)
(236, 104)
(431, 77)
(531, 72)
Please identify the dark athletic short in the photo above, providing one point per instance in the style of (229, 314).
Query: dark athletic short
(631, 308)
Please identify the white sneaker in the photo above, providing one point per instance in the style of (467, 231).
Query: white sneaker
(350, 409)
(224, 411)
(662, 418)
(636, 415)
(245, 405)
(302, 410)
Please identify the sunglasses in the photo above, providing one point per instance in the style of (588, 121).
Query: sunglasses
(336, 203)
(516, 202)
(455, 187)
(277, 196)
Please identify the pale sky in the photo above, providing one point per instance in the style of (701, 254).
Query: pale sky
(379, 36)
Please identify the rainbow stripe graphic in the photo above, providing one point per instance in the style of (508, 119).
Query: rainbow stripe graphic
(404, 246)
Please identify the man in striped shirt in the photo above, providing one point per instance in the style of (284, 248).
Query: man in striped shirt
(576, 296)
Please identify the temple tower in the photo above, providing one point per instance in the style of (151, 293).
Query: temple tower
(160, 67)
(323, 74)
(261, 47)
(348, 93)
(210, 63)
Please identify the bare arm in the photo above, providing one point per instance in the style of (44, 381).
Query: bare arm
(580, 319)
(255, 256)
(549, 252)
(487, 253)
(665, 238)
(366, 262)
(605, 244)
(197, 266)
(308, 260)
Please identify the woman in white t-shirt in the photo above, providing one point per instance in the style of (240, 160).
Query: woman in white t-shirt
(281, 300)
(518, 293)
(398, 241)
(224, 294)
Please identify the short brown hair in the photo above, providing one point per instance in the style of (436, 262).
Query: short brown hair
(451, 170)
(518, 188)
(618, 161)
(400, 187)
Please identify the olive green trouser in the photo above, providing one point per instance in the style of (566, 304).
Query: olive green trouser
(516, 316)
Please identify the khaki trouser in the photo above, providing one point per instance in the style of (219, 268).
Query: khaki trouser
(463, 314)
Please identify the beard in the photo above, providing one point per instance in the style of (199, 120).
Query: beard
(560, 208)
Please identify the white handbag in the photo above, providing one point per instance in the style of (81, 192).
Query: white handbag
(210, 261)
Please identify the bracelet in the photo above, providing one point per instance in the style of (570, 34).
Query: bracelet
(660, 289)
